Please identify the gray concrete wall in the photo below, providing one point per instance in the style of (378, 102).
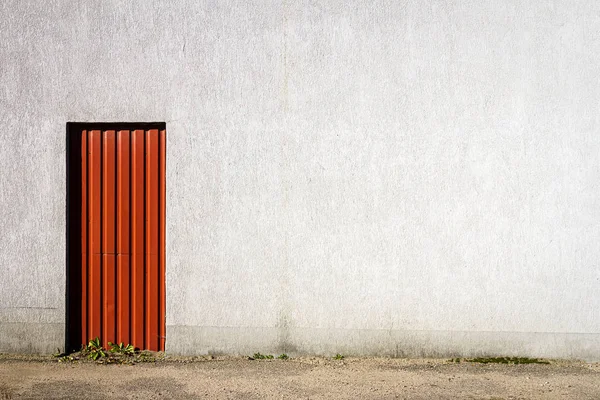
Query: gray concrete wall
(363, 177)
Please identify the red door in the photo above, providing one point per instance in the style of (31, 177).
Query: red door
(117, 282)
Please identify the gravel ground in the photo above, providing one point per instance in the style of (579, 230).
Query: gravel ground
(307, 378)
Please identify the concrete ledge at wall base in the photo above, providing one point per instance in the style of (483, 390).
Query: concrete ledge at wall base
(32, 338)
(194, 340)
(45, 338)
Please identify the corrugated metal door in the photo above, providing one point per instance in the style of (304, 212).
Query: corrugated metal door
(121, 288)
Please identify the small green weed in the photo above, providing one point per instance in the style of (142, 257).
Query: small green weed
(66, 359)
(258, 356)
(338, 357)
(120, 348)
(506, 360)
(283, 356)
(116, 353)
(454, 360)
(95, 350)
(146, 357)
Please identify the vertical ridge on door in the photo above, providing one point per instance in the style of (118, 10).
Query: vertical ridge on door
(108, 237)
(162, 243)
(123, 237)
(94, 250)
(137, 238)
(84, 237)
(152, 226)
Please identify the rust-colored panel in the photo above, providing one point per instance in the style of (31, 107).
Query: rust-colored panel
(84, 236)
(94, 192)
(137, 239)
(152, 226)
(122, 234)
(123, 304)
(108, 309)
(162, 246)
(123, 190)
(94, 229)
(152, 194)
(108, 192)
(94, 296)
(123, 237)
(108, 236)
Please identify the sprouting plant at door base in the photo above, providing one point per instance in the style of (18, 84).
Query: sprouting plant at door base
(95, 349)
(338, 357)
(66, 358)
(116, 353)
(283, 356)
(258, 356)
(121, 348)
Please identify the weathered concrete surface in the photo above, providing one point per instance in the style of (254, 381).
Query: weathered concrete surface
(191, 340)
(24, 337)
(304, 378)
(389, 167)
